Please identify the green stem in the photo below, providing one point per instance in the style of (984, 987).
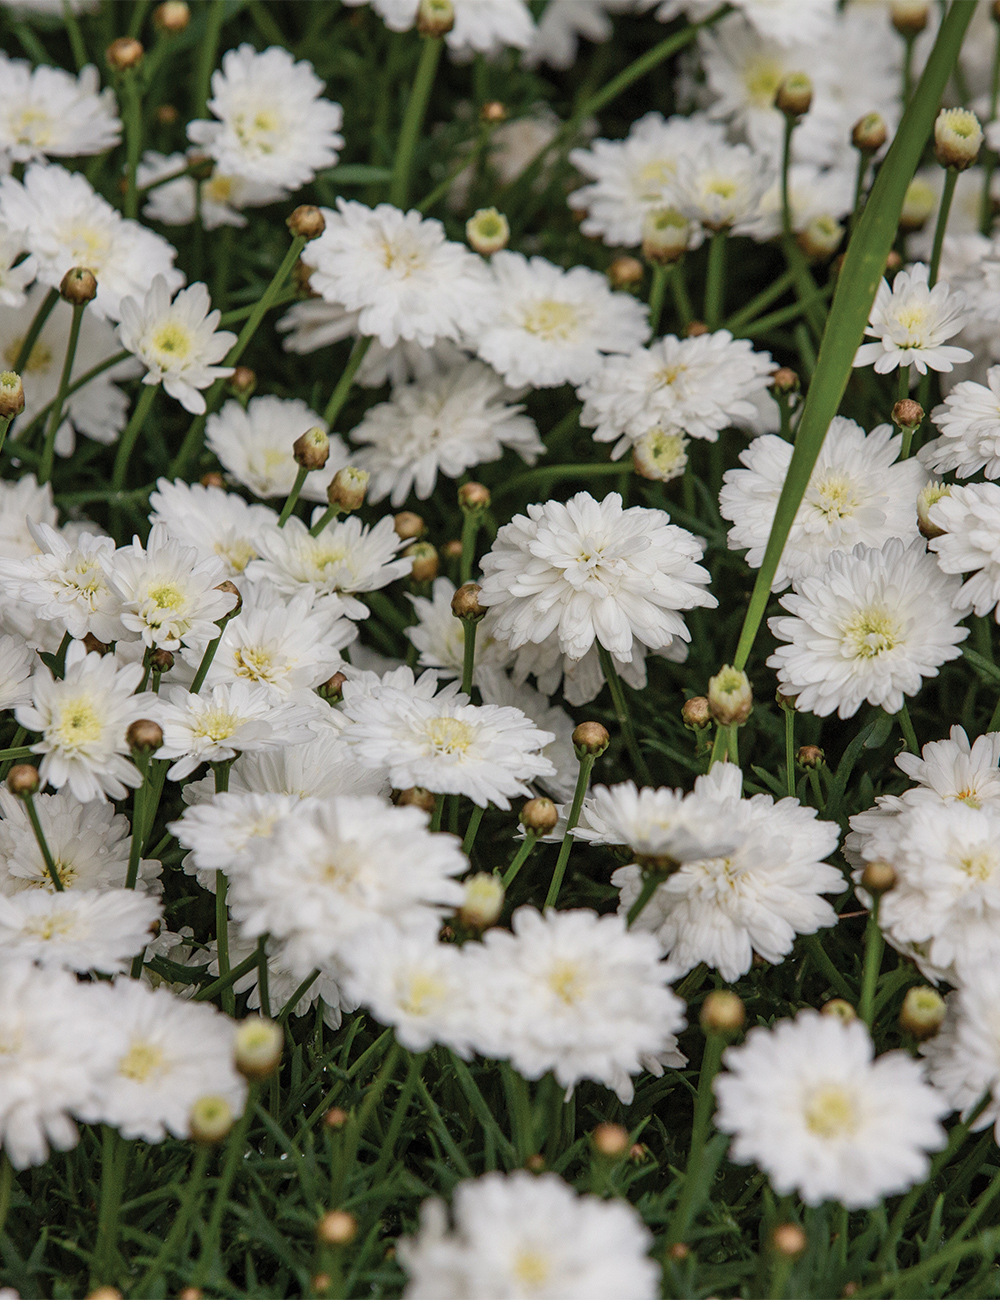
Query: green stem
(814, 945)
(6, 1188)
(235, 1151)
(327, 517)
(623, 715)
(128, 439)
(339, 395)
(75, 36)
(786, 160)
(209, 991)
(519, 859)
(293, 496)
(908, 41)
(906, 726)
(471, 522)
(950, 178)
(687, 1203)
(45, 310)
(864, 158)
(43, 847)
(472, 830)
(222, 937)
(714, 279)
(190, 1197)
(436, 814)
(657, 289)
(413, 120)
(790, 752)
(14, 753)
(132, 116)
(357, 1124)
(469, 628)
(112, 1167)
(539, 479)
(263, 984)
(874, 948)
(55, 419)
(649, 882)
(5, 423)
(682, 300)
(138, 824)
(207, 51)
(755, 307)
(297, 996)
(582, 781)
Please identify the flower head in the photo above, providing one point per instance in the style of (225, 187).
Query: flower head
(912, 323)
(255, 446)
(969, 421)
(78, 929)
(70, 585)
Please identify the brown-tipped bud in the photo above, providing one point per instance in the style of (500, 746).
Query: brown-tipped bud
(919, 202)
(878, 877)
(435, 17)
(487, 231)
(211, 1120)
(928, 497)
(22, 780)
(678, 1252)
(840, 1008)
(922, 1013)
(408, 525)
(785, 380)
(144, 735)
(312, 448)
(231, 589)
(93, 646)
(810, 756)
(465, 602)
(307, 222)
(161, 661)
(332, 690)
(958, 138)
(483, 901)
(638, 1152)
(610, 1140)
(789, 1240)
(625, 271)
(722, 1012)
(347, 488)
(660, 454)
(535, 1163)
(302, 277)
(124, 53)
(907, 414)
(452, 550)
(696, 713)
(666, 234)
(167, 114)
(795, 95)
(172, 16)
(995, 11)
(337, 1228)
(696, 329)
(893, 261)
(336, 1117)
(79, 286)
(474, 498)
(190, 1293)
(590, 738)
(730, 697)
(909, 17)
(539, 815)
(200, 166)
(242, 382)
(785, 701)
(417, 797)
(820, 237)
(321, 1283)
(11, 395)
(493, 112)
(258, 1046)
(104, 1293)
(869, 133)
(425, 561)
(213, 479)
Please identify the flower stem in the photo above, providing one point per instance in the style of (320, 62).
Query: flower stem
(112, 1167)
(582, 781)
(206, 62)
(649, 882)
(790, 752)
(864, 158)
(657, 289)
(950, 177)
(470, 530)
(686, 1205)
(263, 989)
(55, 419)
(874, 947)
(472, 830)
(209, 991)
(132, 431)
(339, 395)
(786, 160)
(45, 310)
(413, 120)
(235, 1150)
(714, 279)
(906, 727)
(132, 114)
(469, 627)
(5, 423)
(438, 810)
(623, 715)
(293, 496)
(519, 858)
(10, 756)
(190, 1197)
(6, 1187)
(43, 847)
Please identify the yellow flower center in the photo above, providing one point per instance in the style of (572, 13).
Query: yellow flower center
(566, 981)
(651, 178)
(32, 125)
(404, 258)
(238, 553)
(552, 320)
(55, 926)
(762, 78)
(449, 735)
(216, 724)
(171, 341)
(64, 870)
(78, 724)
(422, 993)
(978, 865)
(913, 317)
(831, 1112)
(871, 632)
(254, 663)
(834, 497)
(142, 1060)
(90, 246)
(723, 187)
(166, 595)
(218, 189)
(531, 1268)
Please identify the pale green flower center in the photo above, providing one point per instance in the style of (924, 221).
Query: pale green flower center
(141, 1061)
(830, 1112)
(871, 632)
(423, 992)
(566, 980)
(531, 1268)
(450, 735)
(552, 320)
(171, 342)
(79, 723)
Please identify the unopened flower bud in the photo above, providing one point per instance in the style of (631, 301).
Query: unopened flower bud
(348, 487)
(425, 561)
(535, 1163)
(167, 114)
(258, 1046)
(124, 53)
(200, 165)
(722, 1012)
(840, 1008)
(79, 286)
(907, 414)
(789, 1240)
(417, 797)
(696, 329)
(483, 900)
(922, 1013)
(242, 382)
(730, 697)
(678, 1252)
(307, 222)
(408, 525)
(660, 455)
(302, 278)
(104, 1293)
(958, 137)
(161, 661)
(696, 713)
(869, 133)
(809, 756)
(312, 448)
(785, 701)
(821, 237)
(919, 202)
(452, 550)
(93, 646)
(610, 1140)
(926, 498)
(144, 735)
(435, 17)
(190, 1293)
(332, 690)
(231, 589)
(337, 1228)
(474, 497)
(665, 236)
(487, 231)
(539, 815)
(878, 877)
(213, 479)
(638, 1152)
(590, 738)
(211, 1119)
(785, 380)
(11, 395)
(995, 11)
(321, 1283)
(336, 1117)
(493, 112)
(625, 271)
(794, 95)
(465, 602)
(22, 779)
(172, 16)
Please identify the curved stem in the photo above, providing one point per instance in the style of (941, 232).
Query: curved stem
(128, 439)
(582, 781)
(786, 160)
(235, 1149)
(34, 329)
(519, 859)
(43, 847)
(715, 277)
(471, 522)
(623, 715)
(339, 395)
(950, 178)
(55, 419)
(293, 496)
(649, 882)
(686, 1205)
(906, 726)
(413, 120)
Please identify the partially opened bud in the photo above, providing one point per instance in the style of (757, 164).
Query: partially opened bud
(473, 498)
(869, 134)
(483, 900)
(839, 1008)
(348, 487)
(919, 202)
(722, 1012)
(820, 238)
(407, 525)
(337, 1228)
(435, 17)
(144, 735)
(590, 738)
(465, 602)
(794, 96)
(161, 661)
(958, 137)
(625, 271)
(231, 589)
(425, 561)
(79, 286)
(306, 221)
(257, 1051)
(611, 1140)
(124, 53)
(23, 779)
(312, 448)
(926, 498)
(11, 395)
(730, 697)
(922, 1013)
(660, 455)
(878, 877)
(211, 1119)
(665, 236)
(696, 713)
(487, 231)
(539, 815)
(332, 690)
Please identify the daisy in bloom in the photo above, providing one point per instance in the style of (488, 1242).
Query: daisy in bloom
(563, 22)
(336, 868)
(521, 1234)
(66, 224)
(786, 22)
(814, 194)
(321, 767)
(440, 638)
(20, 502)
(324, 995)
(46, 111)
(870, 626)
(445, 744)
(213, 521)
(218, 833)
(274, 126)
(173, 1053)
(631, 178)
(912, 323)
(223, 722)
(68, 585)
(447, 424)
(89, 843)
(721, 185)
(400, 273)
(17, 660)
(594, 572)
(79, 929)
(550, 326)
(169, 594)
(970, 517)
(220, 198)
(858, 492)
(963, 1058)
(969, 421)
(577, 994)
(808, 1102)
(15, 276)
(481, 26)
(497, 687)
(255, 446)
(178, 342)
(81, 720)
(700, 385)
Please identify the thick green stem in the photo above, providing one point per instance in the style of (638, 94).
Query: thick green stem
(55, 419)
(222, 938)
(235, 1151)
(623, 715)
(715, 278)
(128, 439)
(209, 991)
(339, 395)
(45, 310)
(190, 1197)
(469, 628)
(874, 948)
(582, 781)
(687, 1203)
(657, 289)
(649, 882)
(293, 496)
(472, 830)
(519, 858)
(413, 120)
(950, 178)
(112, 1168)
(43, 846)
(327, 517)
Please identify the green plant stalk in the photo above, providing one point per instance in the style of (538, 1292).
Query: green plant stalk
(715, 278)
(178, 1229)
(471, 523)
(113, 1153)
(413, 120)
(756, 306)
(855, 293)
(582, 781)
(10, 756)
(906, 727)
(657, 289)
(650, 879)
(786, 162)
(438, 810)
(947, 194)
(356, 1125)
(519, 858)
(681, 1219)
(207, 51)
(263, 983)
(986, 1244)
(235, 1150)
(472, 830)
(297, 996)
(138, 823)
(43, 847)
(202, 673)
(45, 309)
(293, 496)
(874, 948)
(536, 479)
(343, 388)
(790, 752)
(682, 300)
(209, 991)
(6, 1187)
(222, 937)
(623, 715)
(986, 204)
(469, 628)
(128, 439)
(814, 946)
(908, 41)
(55, 419)
(132, 117)
(327, 517)
(77, 384)
(75, 36)
(5, 423)
(864, 159)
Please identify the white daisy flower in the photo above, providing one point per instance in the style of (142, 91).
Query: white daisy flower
(46, 111)
(549, 326)
(324, 990)
(970, 518)
(496, 687)
(963, 1057)
(213, 521)
(255, 446)
(219, 199)
(870, 626)
(858, 492)
(969, 422)
(807, 1102)
(814, 194)
(178, 342)
(447, 424)
(274, 125)
(218, 833)
(17, 660)
(321, 767)
(786, 22)
(68, 584)
(721, 186)
(912, 322)
(440, 637)
(563, 23)
(79, 929)
(20, 502)
(481, 26)
(14, 279)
